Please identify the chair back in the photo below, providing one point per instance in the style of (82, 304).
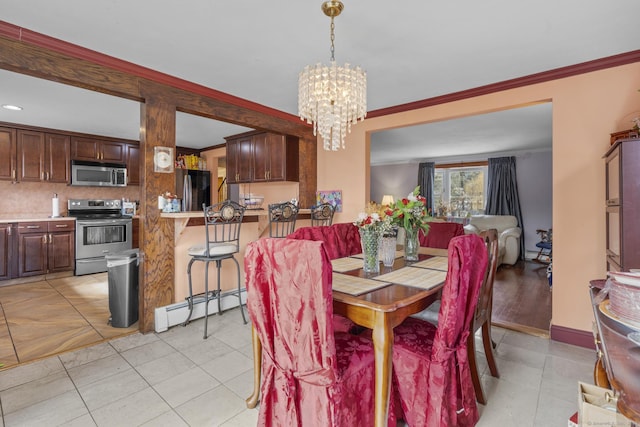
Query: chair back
(440, 234)
(289, 301)
(222, 225)
(282, 219)
(485, 298)
(322, 214)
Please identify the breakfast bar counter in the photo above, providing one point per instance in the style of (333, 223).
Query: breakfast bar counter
(189, 231)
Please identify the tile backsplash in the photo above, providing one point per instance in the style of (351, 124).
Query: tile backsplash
(33, 199)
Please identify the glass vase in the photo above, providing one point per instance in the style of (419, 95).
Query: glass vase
(411, 243)
(370, 241)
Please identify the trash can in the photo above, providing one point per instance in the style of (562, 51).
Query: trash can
(122, 270)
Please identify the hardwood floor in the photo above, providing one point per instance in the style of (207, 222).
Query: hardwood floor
(53, 316)
(522, 298)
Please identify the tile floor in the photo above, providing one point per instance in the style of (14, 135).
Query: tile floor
(176, 378)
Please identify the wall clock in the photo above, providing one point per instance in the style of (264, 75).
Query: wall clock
(163, 159)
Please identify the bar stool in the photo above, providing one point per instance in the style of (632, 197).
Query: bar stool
(282, 219)
(222, 240)
(322, 214)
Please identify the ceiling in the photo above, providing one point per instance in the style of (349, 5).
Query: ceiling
(255, 49)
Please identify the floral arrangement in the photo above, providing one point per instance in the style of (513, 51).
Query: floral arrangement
(371, 220)
(410, 212)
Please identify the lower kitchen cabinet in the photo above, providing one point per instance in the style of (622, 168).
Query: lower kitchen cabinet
(45, 247)
(8, 266)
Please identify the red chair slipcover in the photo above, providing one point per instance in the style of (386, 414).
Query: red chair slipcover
(310, 377)
(440, 234)
(341, 240)
(431, 369)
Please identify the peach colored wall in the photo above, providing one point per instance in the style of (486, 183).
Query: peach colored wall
(586, 109)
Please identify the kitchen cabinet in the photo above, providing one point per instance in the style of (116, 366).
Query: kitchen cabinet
(133, 164)
(91, 149)
(623, 205)
(45, 247)
(262, 157)
(8, 150)
(8, 268)
(43, 157)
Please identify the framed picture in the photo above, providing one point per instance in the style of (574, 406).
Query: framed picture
(163, 159)
(330, 196)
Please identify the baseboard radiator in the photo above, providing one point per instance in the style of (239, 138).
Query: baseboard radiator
(176, 314)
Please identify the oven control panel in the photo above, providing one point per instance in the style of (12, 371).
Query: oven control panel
(94, 204)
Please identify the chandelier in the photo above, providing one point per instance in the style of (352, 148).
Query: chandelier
(332, 97)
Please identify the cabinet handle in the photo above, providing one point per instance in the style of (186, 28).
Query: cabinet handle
(30, 227)
(47, 176)
(13, 174)
(62, 225)
(9, 230)
(44, 239)
(41, 176)
(50, 237)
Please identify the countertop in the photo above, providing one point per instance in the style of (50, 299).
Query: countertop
(29, 218)
(249, 212)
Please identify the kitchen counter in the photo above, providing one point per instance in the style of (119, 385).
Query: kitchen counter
(30, 218)
(189, 231)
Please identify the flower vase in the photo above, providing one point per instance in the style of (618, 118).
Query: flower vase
(370, 241)
(411, 243)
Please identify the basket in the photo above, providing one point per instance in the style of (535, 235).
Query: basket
(251, 201)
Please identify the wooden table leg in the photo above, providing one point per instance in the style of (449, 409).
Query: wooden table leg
(252, 400)
(383, 351)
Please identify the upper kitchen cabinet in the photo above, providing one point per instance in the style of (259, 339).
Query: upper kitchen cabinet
(43, 157)
(98, 150)
(8, 150)
(133, 164)
(262, 157)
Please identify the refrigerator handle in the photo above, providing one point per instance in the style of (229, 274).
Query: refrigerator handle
(190, 195)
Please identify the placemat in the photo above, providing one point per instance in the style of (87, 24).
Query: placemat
(416, 277)
(355, 285)
(346, 264)
(399, 254)
(436, 263)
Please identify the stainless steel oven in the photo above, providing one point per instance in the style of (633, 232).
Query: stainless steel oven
(100, 230)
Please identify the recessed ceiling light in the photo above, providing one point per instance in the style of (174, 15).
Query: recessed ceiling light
(12, 107)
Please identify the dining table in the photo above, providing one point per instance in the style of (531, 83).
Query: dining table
(380, 302)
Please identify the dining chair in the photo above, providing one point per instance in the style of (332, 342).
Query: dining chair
(311, 375)
(282, 219)
(440, 234)
(322, 214)
(482, 317)
(222, 240)
(431, 374)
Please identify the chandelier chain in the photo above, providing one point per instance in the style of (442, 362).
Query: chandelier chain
(333, 37)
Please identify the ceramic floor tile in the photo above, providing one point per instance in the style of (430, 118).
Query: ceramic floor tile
(98, 370)
(242, 385)
(86, 355)
(112, 388)
(33, 392)
(165, 367)
(146, 353)
(246, 418)
(133, 410)
(201, 412)
(508, 404)
(520, 355)
(168, 419)
(27, 372)
(554, 412)
(206, 350)
(52, 412)
(133, 340)
(186, 386)
(228, 366)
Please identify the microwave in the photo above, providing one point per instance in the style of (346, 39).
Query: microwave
(94, 174)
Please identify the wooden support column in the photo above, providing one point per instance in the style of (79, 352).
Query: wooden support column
(158, 128)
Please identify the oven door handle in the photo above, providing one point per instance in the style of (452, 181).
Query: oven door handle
(99, 223)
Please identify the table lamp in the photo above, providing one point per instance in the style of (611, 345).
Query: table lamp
(387, 199)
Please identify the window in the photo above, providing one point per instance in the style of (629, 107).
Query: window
(460, 191)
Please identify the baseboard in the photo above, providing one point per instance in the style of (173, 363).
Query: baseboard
(176, 314)
(573, 336)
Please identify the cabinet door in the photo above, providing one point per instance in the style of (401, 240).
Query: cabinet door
(277, 157)
(85, 149)
(245, 160)
(232, 162)
(133, 164)
(7, 255)
(32, 252)
(8, 149)
(61, 251)
(113, 152)
(57, 156)
(261, 158)
(30, 156)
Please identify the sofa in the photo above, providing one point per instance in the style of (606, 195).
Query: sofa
(508, 234)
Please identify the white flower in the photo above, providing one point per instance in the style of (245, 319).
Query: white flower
(412, 197)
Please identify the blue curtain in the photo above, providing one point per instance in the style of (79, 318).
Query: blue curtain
(425, 181)
(502, 192)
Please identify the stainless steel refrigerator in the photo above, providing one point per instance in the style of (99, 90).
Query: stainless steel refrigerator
(194, 187)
